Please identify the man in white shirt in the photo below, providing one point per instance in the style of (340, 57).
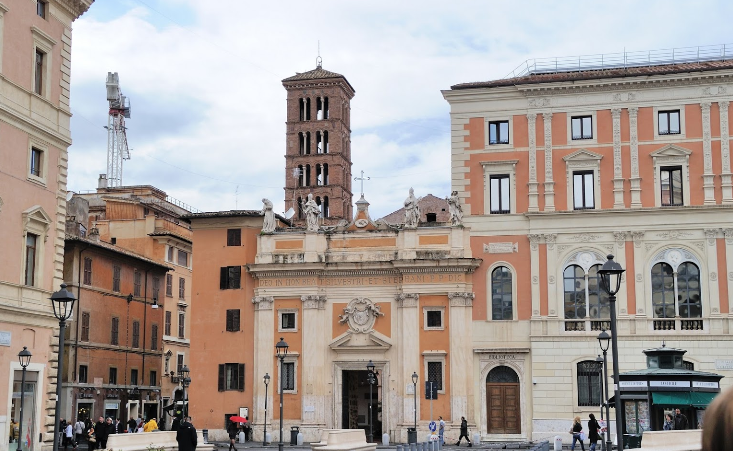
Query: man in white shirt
(78, 430)
(441, 430)
(69, 436)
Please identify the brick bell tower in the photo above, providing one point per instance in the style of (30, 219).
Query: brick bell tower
(318, 144)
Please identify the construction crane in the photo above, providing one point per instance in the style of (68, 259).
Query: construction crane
(117, 150)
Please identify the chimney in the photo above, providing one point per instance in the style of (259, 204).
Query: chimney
(102, 182)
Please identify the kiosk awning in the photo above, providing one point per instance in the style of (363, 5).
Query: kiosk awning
(701, 399)
(671, 398)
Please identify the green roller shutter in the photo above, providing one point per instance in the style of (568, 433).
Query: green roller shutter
(673, 399)
(701, 399)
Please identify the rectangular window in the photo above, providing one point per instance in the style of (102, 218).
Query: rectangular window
(434, 318)
(179, 363)
(37, 162)
(154, 337)
(167, 323)
(589, 383)
(83, 374)
(87, 271)
(156, 287)
(234, 237)
(136, 334)
(85, 326)
(153, 378)
(112, 376)
(288, 376)
(181, 288)
(583, 196)
(181, 324)
(169, 285)
(499, 186)
(116, 279)
(170, 254)
(115, 332)
(41, 8)
(671, 184)
(133, 376)
(138, 283)
(581, 127)
(499, 132)
(31, 241)
(230, 277)
(435, 374)
(38, 79)
(233, 320)
(669, 122)
(288, 320)
(231, 376)
(183, 258)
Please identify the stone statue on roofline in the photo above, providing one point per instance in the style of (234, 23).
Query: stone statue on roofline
(412, 211)
(269, 223)
(311, 211)
(455, 209)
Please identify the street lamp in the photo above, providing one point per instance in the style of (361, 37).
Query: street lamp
(414, 397)
(371, 379)
(604, 401)
(611, 283)
(24, 357)
(266, 380)
(282, 350)
(604, 340)
(63, 307)
(184, 377)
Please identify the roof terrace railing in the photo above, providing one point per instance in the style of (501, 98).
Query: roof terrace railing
(623, 60)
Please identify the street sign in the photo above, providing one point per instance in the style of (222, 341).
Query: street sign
(431, 390)
(432, 426)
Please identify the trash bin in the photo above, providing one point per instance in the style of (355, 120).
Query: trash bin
(294, 435)
(632, 441)
(411, 435)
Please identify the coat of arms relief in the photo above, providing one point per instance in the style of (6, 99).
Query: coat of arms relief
(360, 315)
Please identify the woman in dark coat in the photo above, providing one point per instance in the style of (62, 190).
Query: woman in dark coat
(593, 428)
(186, 436)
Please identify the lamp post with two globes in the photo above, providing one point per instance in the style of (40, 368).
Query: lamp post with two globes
(414, 398)
(63, 307)
(611, 273)
(24, 357)
(266, 380)
(604, 340)
(282, 350)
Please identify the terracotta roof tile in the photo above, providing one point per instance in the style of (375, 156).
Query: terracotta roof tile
(640, 71)
(318, 73)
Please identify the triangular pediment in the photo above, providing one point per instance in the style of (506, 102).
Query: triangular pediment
(582, 155)
(351, 341)
(36, 213)
(671, 150)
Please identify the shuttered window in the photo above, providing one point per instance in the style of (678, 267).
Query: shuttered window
(169, 284)
(231, 376)
(138, 283)
(115, 331)
(230, 277)
(116, 279)
(87, 271)
(154, 337)
(167, 326)
(233, 320)
(181, 288)
(136, 334)
(85, 326)
(234, 237)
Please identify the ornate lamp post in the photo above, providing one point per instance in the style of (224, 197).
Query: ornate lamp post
(604, 340)
(185, 378)
(282, 350)
(24, 357)
(611, 283)
(371, 379)
(414, 397)
(266, 380)
(604, 401)
(63, 307)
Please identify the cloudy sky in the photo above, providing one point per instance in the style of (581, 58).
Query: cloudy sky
(208, 107)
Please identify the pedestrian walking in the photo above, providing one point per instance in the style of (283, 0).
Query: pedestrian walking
(186, 436)
(668, 422)
(78, 431)
(131, 425)
(232, 430)
(464, 433)
(680, 420)
(716, 432)
(593, 428)
(577, 430)
(441, 430)
(69, 436)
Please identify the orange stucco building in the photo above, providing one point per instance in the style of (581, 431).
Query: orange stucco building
(35, 73)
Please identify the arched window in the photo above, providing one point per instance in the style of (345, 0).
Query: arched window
(676, 276)
(583, 297)
(326, 210)
(589, 383)
(502, 375)
(501, 294)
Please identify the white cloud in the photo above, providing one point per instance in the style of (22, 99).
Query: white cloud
(210, 99)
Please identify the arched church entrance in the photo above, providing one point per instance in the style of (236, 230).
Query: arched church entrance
(502, 401)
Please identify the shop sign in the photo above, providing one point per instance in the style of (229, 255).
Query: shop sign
(701, 384)
(86, 395)
(724, 364)
(632, 384)
(674, 384)
(110, 406)
(5, 338)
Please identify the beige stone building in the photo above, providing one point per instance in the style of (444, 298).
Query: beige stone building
(35, 71)
(558, 168)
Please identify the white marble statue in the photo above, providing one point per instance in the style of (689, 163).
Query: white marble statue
(454, 208)
(412, 211)
(268, 224)
(311, 211)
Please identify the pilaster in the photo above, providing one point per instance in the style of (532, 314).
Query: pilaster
(622, 299)
(711, 252)
(728, 235)
(634, 152)
(708, 185)
(725, 174)
(638, 239)
(551, 256)
(618, 180)
(532, 185)
(461, 357)
(313, 360)
(534, 247)
(408, 351)
(264, 323)
(549, 183)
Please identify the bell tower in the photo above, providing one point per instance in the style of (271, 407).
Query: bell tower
(318, 144)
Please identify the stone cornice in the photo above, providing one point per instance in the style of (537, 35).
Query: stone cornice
(448, 265)
(75, 8)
